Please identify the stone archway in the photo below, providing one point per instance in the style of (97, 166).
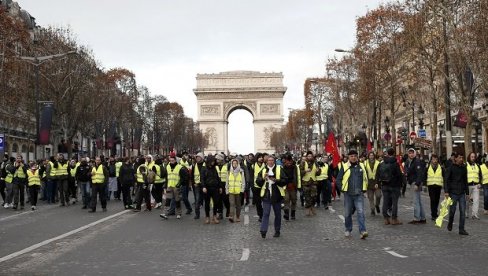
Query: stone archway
(218, 95)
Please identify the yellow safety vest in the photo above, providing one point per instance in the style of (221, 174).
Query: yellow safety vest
(140, 177)
(118, 165)
(185, 164)
(10, 177)
(196, 175)
(372, 173)
(473, 173)
(62, 169)
(98, 177)
(173, 175)
(278, 177)
(54, 171)
(257, 169)
(484, 174)
(235, 183)
(311, 174)
(347, 174)
(19, 172)
(324, 173)
(33, 178)
(158, 178)
(222, 172)
(435, 178)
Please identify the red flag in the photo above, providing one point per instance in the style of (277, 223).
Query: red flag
(331, 147)
(369, 147)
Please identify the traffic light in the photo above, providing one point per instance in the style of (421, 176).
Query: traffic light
(404, 133)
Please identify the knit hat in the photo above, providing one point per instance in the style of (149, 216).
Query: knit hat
(200, 155)
(219, 157)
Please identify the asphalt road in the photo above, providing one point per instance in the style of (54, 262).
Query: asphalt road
(69, 241)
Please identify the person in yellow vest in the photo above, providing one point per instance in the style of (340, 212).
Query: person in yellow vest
(435, 181)
(51, 177)
(34, 182)
(323, 179)
(62, 177)
(474, 184)
(184, 161)
(272, 180)
(222, 169)
(256, 190)
(99, 180)
(484, 182)
(234, 186)
(72, 181)
(19, 182)
(143, 192)
(309, 170)
(196, 182)
(177, 175)
(336, 191)
(9, 177)
(161, 175)
(374, 188)
(294, 183)
(353, 180)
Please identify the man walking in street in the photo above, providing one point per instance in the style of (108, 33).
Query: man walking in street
(177, 175)
(309, 170)
(456, 187)
(272, 181)
(294, 183)
(354, 183)
(198, 168)
(99, 175)
(256, 190)
(211, 189)
(374, 188)
(414, 168)
(19, 182)
(474, 184)
(435, 181)
(390, 176)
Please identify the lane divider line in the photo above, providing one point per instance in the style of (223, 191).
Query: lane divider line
(72, 232)
(245, 254)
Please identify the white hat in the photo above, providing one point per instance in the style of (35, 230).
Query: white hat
(200, 155)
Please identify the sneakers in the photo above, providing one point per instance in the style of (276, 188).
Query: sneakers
(33, 208)
(347, 234)
(178, 216)
(475, 217)
(364, 235)
(163, 216)
(158, 205)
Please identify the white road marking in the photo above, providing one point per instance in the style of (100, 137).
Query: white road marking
(245, 254)
(72, 232)
(16, 215)
(246, 219)
(393, 253)
(342, 218)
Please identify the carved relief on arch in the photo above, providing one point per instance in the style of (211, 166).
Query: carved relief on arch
(229, 105)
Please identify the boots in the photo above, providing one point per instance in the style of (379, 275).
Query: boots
(286, 216)
(387, 221)
(215, 220)
(395, 221)
(292, 214)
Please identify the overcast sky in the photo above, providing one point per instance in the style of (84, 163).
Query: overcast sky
(167, 42)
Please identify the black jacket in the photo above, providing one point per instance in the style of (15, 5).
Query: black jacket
(396, 179)
(127, 174)
(415, 171)
(456, 181)
(210, 178)
(83, 173)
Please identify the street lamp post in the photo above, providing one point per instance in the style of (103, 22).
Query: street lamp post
(37, 62)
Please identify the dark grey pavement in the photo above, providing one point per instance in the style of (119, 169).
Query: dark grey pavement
(143, 244)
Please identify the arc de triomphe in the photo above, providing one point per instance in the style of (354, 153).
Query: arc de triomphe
(218, 95)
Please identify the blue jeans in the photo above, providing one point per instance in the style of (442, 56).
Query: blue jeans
(85, 192)
(267, 211)
(462, 209)
(418, 209)
(184, 190)
(51, 191)
(358, 202)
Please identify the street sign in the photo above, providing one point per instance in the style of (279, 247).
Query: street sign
(387, 136)
(413, 135)
(422, 133)
(424, 143)
(2, 143)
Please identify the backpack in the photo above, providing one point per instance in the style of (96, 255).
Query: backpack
(385, 172)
